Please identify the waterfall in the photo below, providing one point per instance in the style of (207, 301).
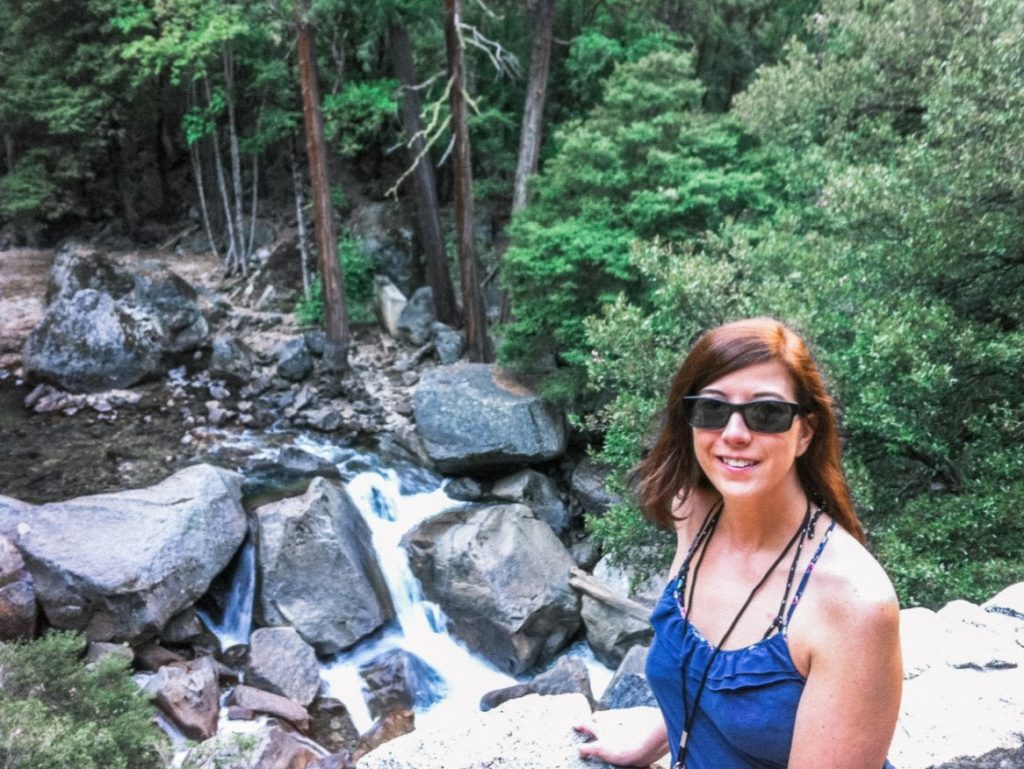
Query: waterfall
(392, 506)
(391, 503)
(235, 625)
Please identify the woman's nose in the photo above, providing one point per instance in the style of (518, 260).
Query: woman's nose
(736, 428)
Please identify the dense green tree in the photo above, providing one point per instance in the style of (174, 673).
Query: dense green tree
(897, 250)
(645, 163)
(66, 104)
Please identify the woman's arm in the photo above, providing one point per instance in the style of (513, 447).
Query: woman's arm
(848, 710)
(625, 737)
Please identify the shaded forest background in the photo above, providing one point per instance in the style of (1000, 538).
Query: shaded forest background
(854, 168)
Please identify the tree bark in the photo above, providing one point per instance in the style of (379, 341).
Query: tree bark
(336, 321)
(236, 162)
(233, 254)
(300, 218)
(197, 172)
(428, 215)
(536, 94)
(478, 344)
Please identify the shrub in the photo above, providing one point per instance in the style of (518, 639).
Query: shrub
(645, 163)
(57, 711)
(358, 274)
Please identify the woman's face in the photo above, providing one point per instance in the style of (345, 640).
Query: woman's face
(743, 464)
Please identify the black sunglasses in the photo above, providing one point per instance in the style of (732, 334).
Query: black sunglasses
(759, 416)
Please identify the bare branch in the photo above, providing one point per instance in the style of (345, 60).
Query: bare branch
(429, 134)
(487, 10)
(425, 84)
(447, 152)
(505, 62)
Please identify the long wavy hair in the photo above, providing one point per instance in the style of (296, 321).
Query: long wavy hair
(671, 471)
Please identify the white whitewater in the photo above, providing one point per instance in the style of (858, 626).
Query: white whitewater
(235, 626)
(391, 505)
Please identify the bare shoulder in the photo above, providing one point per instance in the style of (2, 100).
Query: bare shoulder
(852, 594)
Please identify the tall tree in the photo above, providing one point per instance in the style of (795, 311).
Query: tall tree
(478, 344)
(536, 94)
(336, 318)
(428, 215)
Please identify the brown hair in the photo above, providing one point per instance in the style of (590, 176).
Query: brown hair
(671, 470)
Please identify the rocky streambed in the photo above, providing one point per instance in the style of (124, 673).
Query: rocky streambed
(291, 562)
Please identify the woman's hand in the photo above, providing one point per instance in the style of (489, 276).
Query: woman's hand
(625, 737)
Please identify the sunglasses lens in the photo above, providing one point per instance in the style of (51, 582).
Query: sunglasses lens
(759, 416)
(709, 414)
(768, 417)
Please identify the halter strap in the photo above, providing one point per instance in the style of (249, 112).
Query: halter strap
(807, 573)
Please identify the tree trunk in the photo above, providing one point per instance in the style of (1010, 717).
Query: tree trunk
(300, 218)
(478, 344)
(197, 172)
(428, 215)
(336, 321)
(233, 254)
(533, 110)
(236, 162)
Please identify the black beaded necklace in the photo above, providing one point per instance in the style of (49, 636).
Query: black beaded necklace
(702, 540)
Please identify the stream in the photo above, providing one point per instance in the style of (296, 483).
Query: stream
(48, 457)
(392, 500)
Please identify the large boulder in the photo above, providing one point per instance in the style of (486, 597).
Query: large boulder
(963, 692)
(629, 687)
(318, 570)
(384, 235)
(280, 662)
(538, 492)
(470, 416)
(189, 696)
(271, 746)
(120, 566)
(612, 632)
(415, 324)
(90, 342)
(533, 732)
(502, 577)
(108, 326)
(17, 595)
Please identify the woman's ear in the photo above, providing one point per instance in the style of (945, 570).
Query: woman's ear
(808, 422)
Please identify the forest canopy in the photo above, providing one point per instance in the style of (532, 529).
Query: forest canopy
(853, 168)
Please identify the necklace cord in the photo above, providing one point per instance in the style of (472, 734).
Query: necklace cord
(703, 540)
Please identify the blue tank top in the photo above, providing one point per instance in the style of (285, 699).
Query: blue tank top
(748, 707)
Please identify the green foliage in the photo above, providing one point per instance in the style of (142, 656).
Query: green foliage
(56, 711)
(896, 250)
(358, 275)
(644, 164)
(355, 114)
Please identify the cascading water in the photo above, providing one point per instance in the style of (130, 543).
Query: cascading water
(235, 625)
(391, 505)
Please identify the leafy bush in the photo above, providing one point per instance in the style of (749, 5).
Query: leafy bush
(644, 164)
(358, 274)
(896, 252)
(56, 711)
(354, 115)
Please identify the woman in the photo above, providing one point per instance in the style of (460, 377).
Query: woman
(755, 662)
